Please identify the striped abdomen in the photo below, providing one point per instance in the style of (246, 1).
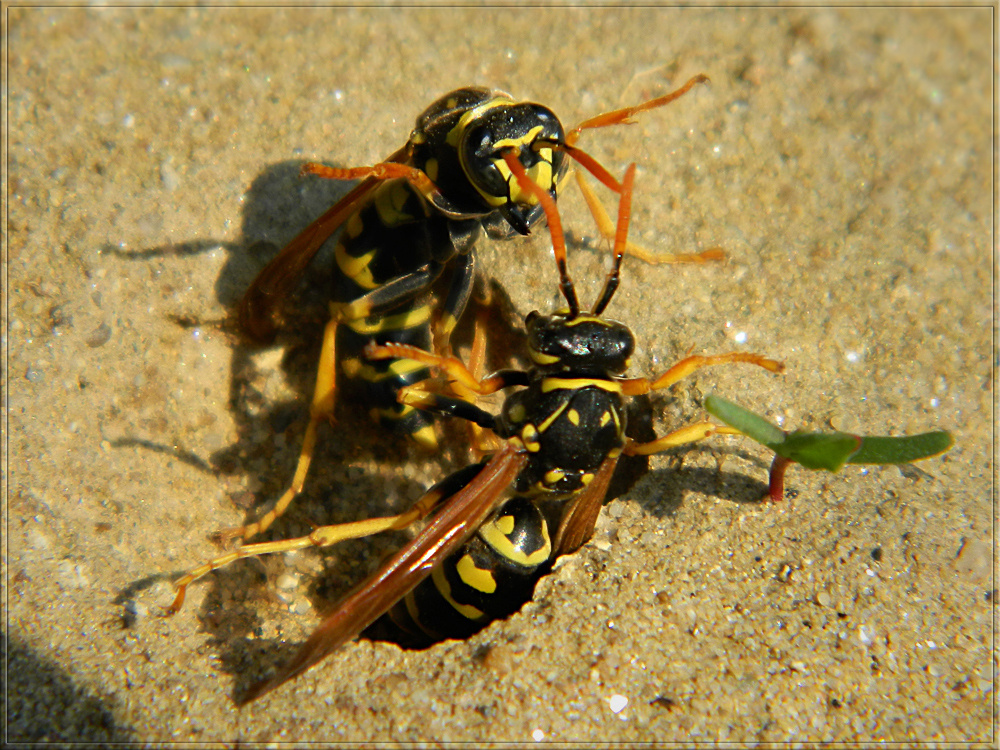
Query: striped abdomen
(386, 261)
(490, 577)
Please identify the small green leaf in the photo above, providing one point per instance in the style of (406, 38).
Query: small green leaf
(830, 450)
(752, 425)
(818, 450)
(902, 450)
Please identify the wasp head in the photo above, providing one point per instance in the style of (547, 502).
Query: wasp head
(584, 343)
(526, 128)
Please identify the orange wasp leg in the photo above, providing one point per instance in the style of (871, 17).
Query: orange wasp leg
(692, 433)
(382, 171)
(323, 536)
(601, 218)
(450, 366)
(321, 409)
(699, 430)
(688, 365)
(482, 441)
(624, 115)
(606, 228)
(510, 156)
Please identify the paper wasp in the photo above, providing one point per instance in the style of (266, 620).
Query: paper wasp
(559, 437)
(411, 222)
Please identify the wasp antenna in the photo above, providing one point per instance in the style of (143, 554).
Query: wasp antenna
(555, 226)
(621, 239)
(591, 164)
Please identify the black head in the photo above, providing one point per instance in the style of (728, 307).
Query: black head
(584, 343)
(486, 131)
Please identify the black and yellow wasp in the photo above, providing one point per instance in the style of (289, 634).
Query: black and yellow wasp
(495, 527)
(412, 222)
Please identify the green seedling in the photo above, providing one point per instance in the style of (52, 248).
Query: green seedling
(824, 450)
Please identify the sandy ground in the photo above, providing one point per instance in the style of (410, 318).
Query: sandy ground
(841, 157)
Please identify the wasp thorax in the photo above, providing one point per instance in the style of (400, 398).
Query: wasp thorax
(582, 343)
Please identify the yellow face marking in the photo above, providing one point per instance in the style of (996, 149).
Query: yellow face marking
(540, 358)
(587, 319)
(605, 418)
(540, 172)
(572, 384)
(466, 610)
(574, 417)
(553, 476)
(524, 140)
(401, 321)
(477, 578)
(586, 479)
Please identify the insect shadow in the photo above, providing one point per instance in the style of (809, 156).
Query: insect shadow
(278, 205)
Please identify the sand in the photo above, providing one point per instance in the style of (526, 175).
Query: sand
(841, 157)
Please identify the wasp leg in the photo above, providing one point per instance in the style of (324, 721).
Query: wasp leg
(624, 115)
(690, 434)
(455, 303)
(321, 409)
(438, 403)
(477, 353)
(391, 294)
(510, 156)
(464, 381)
(323, 536)
(688, 365)
(482, 441)
(452, 367)
(607, 231)
(381, 171)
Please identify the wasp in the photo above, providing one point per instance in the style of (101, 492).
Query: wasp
(411, 226)
(495, 527)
